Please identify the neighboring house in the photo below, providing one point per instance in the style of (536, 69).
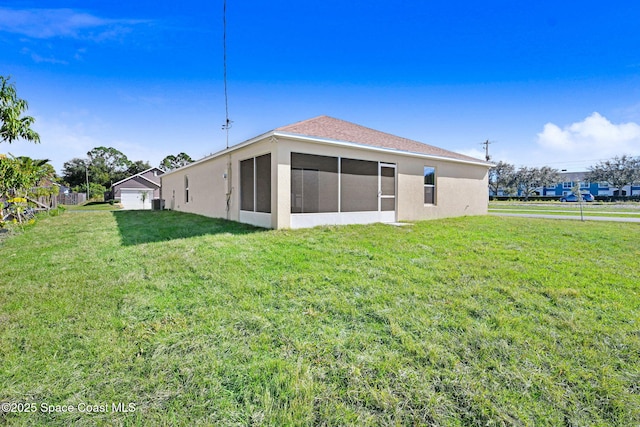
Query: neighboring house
(137, 191)
(571, 180)
(329, 171)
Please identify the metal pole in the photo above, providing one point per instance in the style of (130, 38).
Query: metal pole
(580, 201)
(86, 168)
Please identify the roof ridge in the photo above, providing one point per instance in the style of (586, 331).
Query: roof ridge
(304, 121)
(139, 174)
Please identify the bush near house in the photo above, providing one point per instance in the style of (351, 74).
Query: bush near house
(198, 321)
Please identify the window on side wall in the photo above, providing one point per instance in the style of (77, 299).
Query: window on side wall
(186, 189)
(429, 185)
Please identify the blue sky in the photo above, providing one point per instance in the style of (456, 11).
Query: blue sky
(548, 83)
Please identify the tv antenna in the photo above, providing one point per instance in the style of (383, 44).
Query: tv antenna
(227, 124)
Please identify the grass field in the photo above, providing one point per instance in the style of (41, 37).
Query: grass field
(622, 210)
(93, 206)
(196, 321)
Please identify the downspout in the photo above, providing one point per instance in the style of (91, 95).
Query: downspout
(229, 188)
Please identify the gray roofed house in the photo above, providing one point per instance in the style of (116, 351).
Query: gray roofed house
(329, 171)
(137, 191)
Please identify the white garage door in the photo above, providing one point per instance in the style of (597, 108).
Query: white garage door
(132, 199)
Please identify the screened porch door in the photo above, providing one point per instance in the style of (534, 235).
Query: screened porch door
(387, 192)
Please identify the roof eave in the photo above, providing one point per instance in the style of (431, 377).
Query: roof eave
(138, 174)
(335, 142)
(326, 141)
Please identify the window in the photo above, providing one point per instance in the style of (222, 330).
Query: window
(567, 184)
(585, 185)
(429, 185)
(186, 189)
(255, 184)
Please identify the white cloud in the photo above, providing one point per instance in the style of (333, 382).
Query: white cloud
(37, 58)
(49, 23)
(593, 138)
(61, 140)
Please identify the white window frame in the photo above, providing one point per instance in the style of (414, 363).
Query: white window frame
(186, 188)
(435, 180)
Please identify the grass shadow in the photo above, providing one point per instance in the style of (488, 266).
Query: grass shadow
(138, 227)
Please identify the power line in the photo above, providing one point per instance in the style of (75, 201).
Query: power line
(227, 124)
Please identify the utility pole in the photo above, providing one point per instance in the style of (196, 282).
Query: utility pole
(86, 170)
(486, 149)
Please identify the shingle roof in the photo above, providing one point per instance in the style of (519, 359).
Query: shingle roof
(335, 129)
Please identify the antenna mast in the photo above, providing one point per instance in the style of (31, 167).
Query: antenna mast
(227, 124)
(486, 149)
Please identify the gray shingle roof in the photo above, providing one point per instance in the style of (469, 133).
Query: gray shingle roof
(335, 129)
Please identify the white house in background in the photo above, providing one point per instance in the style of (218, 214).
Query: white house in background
(325, 171)
(137, 191)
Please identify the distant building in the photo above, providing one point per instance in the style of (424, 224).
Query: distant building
(571, 180)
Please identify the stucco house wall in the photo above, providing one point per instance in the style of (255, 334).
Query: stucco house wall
(214, 183)
(210, 181)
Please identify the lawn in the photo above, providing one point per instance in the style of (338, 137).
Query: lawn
(93, 206)
(623, 210)
(197, 321)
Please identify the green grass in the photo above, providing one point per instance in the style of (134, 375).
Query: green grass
(624, 210)
(459, 322)
(93, 206)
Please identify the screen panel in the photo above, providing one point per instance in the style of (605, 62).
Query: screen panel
(246, 185)
(359, 191)
(263, 183)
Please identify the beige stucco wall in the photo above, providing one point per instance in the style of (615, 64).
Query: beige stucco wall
(461, 189)
(208, 185)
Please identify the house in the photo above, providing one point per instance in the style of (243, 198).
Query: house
(137, 191)
(328, 171)
(570, 180)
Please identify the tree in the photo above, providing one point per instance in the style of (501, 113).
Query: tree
(107, 165)
(137, 167)
(18, 177)
(96, 191)
(13, 125)
(528, 180)
(617, 172)
(19, 174)
(502, 177)
(143, 197)
(74, 171)
(172, 162)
